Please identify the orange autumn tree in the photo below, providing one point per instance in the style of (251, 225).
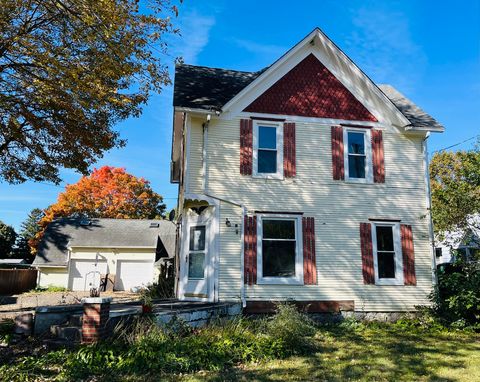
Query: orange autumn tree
(109, 192)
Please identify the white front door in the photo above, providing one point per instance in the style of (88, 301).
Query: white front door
(196, 261)
(196, 266)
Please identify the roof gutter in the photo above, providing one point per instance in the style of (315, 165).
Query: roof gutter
(183, 109)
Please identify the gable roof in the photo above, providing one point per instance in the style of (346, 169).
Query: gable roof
(62, 234)
(201, 87)
(417, 117)
(309, 89)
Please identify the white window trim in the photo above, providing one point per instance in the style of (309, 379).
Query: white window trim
(397, 246)
(298, 278)
(368, 152)
(279, 129)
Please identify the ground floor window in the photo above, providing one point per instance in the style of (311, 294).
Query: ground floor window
(387, 254)
(279, 250)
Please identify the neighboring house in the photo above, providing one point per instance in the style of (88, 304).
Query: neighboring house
(303, 181)
(465, 242)
(76, 253)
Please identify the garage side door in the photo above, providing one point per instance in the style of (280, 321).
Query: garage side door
(84, 275)
(133, 274)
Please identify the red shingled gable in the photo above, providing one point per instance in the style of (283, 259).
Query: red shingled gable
(310, 90)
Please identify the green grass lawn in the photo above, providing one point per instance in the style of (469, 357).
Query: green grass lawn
(351, 351)
(384, 353)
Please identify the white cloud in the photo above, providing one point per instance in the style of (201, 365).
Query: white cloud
(195, 33)
(383, 47)
(274, 51)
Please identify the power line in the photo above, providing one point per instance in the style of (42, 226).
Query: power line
(456, 144)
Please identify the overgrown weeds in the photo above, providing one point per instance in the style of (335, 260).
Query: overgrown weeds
(144, 348)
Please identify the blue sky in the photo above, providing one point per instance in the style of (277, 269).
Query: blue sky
(429, 50)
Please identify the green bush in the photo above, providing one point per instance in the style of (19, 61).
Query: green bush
(6, 330)
(456, 301)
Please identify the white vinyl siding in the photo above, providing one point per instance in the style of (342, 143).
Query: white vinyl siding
(51, 276)
(338, 208)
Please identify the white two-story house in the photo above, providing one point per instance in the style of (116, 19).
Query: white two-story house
(303, 181)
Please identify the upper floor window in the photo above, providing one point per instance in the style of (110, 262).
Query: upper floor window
(387, 254)
(268, 150)
(358, 155)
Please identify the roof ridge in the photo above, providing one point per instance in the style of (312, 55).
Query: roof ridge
(224, 69)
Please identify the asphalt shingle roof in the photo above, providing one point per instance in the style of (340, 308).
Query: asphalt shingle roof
(414, 114)
(70, 232)
(201, 87)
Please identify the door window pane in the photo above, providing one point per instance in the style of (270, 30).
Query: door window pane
(386, 265)
(196, 267)
(267, 137)
(197, 238)
(356, 166)
(267, 161)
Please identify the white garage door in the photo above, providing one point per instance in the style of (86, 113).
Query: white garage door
(133, 274)
(85, 275)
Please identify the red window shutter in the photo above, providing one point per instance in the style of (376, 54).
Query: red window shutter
(246, 146)
(289, 166)
(309, 262)
(337, 153)
(408, 255)
(378, 157)
(250, 249)
(367, 253)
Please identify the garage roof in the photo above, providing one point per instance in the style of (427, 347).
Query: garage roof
(66, 233)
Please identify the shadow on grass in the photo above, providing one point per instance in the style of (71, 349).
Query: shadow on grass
(380, 354)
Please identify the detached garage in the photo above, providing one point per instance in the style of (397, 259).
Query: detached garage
(81, 254)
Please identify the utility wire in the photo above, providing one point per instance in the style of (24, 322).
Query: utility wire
(456, 144)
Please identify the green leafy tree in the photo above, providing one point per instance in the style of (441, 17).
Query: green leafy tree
(69, 71)
(29, 228)
(7, 239)
(455, 184)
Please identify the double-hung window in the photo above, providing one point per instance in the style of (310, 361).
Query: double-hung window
(358, 156)
(268, 150)
(387, 254)
(279, 249)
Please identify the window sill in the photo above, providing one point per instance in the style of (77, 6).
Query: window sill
(358, 181)
(279, 281)
(268, 176)
(389, 282)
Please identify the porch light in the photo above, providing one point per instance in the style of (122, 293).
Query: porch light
(228, 223)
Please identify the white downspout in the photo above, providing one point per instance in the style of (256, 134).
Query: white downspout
(429, 208)
(204, 154)
(242, 260)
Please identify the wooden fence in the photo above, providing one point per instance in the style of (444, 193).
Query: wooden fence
(13, 281)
